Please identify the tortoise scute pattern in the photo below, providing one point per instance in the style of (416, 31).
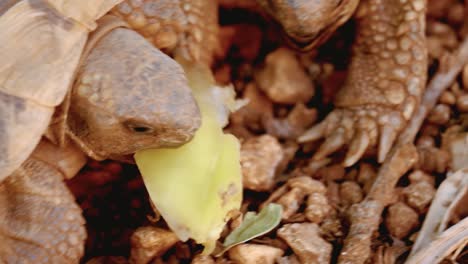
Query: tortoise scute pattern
(386, 80)
(6, 4)
(37, 42)
(186, 27)
(57, 47)
(84, 12)
(19, 119)
(39, 220)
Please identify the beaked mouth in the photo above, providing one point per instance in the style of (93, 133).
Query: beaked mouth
(125, 158)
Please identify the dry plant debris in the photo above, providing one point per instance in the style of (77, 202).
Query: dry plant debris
(452, 239)
(447, 199)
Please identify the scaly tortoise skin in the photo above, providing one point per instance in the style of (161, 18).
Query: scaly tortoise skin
(187, 28)
(113, 94)
(386, 77)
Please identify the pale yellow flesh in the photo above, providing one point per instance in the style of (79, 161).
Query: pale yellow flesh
(195, 186)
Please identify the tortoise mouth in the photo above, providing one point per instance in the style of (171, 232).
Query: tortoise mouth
(127, 156)
(124, 158)
(299, 44)
(305, 43)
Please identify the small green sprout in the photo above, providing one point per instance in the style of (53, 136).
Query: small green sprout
(254, 225)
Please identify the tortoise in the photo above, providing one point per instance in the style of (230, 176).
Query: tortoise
(107, 96)
(384, 86)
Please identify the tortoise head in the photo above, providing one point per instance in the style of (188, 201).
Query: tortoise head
(306, 23)
(130, 96)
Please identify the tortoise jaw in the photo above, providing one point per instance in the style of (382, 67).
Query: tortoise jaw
(124, 159)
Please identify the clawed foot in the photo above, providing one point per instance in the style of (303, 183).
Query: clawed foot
(360, 128)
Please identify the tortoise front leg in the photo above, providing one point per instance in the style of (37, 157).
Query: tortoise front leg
(385, 82)
(39, 219)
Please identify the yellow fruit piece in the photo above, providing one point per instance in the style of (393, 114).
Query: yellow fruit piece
(195, 186)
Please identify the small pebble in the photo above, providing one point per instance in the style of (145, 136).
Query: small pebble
(350, 193)
(448, 98)
(465, 77)
(260, 156)
(401, 219)
(283, 79)
(425, 141)
(366, 176)
(306, 242)
(419, 195)
(462, 103)
(149, 242)
(440, 115)
(253, 254)
(317, 208)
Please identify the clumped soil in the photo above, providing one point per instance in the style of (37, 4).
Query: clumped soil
(316, 197)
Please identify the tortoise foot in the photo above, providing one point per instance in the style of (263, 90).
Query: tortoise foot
(360, 128)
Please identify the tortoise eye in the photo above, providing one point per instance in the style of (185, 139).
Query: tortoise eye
(139, 128)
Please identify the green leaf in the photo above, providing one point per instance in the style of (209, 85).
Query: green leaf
(255, 225)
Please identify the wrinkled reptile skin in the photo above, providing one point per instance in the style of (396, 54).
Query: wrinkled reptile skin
(115, 95)
(56, 234)
(185, 27)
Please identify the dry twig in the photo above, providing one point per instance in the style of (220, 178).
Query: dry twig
(450, 240)
(441, 209)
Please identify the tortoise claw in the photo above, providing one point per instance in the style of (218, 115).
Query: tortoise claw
(388, 135)
(314, 133)
(358, 126)
(357, 148)
(333, 143)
